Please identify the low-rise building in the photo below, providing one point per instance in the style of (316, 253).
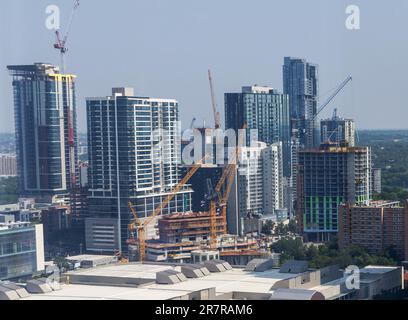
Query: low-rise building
(21, 250)
(377, 227)
(217, 280)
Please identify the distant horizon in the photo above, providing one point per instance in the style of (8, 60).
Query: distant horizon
(170, 57)
(359, 130)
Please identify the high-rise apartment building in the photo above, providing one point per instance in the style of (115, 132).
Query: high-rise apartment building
(291, 184)
(45, 122)
(377, 227)
(258, 189)
(265, 110)
(8, 165)
(328, 177)
(301, 83)
(134, 155)
(272, 171)
(376, 180)
(250, 181)
(338, 130)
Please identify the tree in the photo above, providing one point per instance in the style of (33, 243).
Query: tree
(312, 252)
(61, 263)
(290, 249)
(281, 230)
(267, 227)
(8, 190)
(329, 254)
(293, 227)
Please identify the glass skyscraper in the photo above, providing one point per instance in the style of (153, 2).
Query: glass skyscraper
(265, 110)
(45, 123)
(134, 155)
(301, 83)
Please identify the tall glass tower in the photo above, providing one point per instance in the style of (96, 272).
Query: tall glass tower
(45, 124)
(265, 110)
(301, 83)
(134, 156)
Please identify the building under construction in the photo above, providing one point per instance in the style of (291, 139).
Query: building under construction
(328, 177)
(193, 226)
(184, 235)
(236, 250)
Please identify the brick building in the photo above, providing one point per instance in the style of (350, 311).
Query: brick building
(377, 227)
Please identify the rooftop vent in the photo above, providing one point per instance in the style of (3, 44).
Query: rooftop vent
(22, 292)
(41, 286)
(7, 294)
(195, 271)
(259, 265)
(170, 277)
(296, 294)
(294, 266)
(217, 266)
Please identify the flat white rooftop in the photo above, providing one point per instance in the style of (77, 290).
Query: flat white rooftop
(142, 271)
(86, 292)
(236, 280)
(89, 257)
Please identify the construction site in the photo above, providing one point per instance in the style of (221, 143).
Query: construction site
(181, 236)
(190, 236)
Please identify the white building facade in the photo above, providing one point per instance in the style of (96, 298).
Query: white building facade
(133, 157)
(260, 181)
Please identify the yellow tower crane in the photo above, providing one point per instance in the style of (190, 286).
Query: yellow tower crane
(230, 174)
(140, 226)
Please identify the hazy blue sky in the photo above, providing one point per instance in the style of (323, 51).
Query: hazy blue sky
(163, 48)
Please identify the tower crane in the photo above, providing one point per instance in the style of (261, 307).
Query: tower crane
(229, 176)
(140, 226)
(217, 116)
(332, 96)
(311, 123)
(61, 43)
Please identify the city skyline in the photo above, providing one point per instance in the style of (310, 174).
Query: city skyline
(171, 66)
(203, 150)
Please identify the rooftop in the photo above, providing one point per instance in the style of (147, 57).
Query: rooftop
(88, 257)
(15, 225)
(137, 281)
(333, 148)
(379, 204)
(225, 282)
